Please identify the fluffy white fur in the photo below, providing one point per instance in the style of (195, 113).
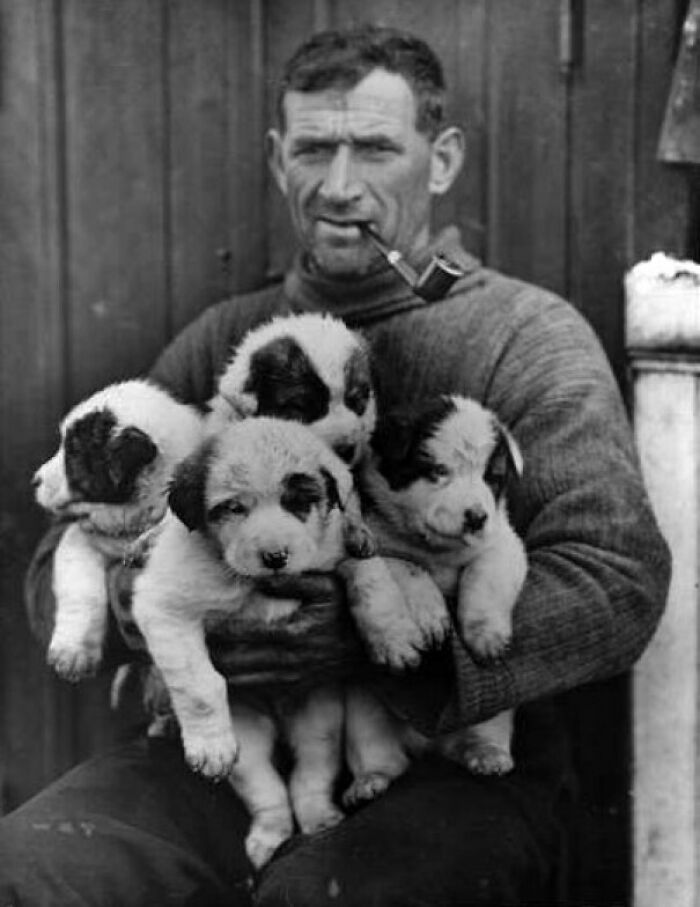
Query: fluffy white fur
(328, 344)
(397, 608)
(484, 568)
(192, 573)
(104, 532)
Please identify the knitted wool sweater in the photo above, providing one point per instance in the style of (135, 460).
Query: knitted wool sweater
(598, 567)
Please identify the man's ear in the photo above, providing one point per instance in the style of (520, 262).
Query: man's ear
(275, 159)
(447, 157)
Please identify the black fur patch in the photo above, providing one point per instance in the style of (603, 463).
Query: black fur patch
(187, 487)
(286, 384)
(399, 442)
(500, 470)
(101, 465)
(357, 382)
(300, 493)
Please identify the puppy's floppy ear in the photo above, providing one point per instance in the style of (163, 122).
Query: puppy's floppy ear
(505, 463)
(127, 453)
(392, 441)
(187, 486)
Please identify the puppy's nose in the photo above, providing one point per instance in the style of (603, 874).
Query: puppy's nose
(474, 519)
(346, 452)
(275, 560)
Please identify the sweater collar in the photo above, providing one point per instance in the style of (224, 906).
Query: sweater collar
(378, 295)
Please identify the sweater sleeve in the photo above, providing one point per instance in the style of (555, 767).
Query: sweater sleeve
(599, 568)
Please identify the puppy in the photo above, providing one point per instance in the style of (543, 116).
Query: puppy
(263, 497)
(307, 368)
(434, 492)
(312, 369)
(110, 475)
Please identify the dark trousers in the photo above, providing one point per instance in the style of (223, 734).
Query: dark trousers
(136, 828)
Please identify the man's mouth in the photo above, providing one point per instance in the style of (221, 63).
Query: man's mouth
(342, 228)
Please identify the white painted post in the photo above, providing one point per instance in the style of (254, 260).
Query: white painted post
(666, 703)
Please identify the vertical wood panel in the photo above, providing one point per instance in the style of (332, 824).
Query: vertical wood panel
(116, 151)
(248, 118)
(197, 163)
(601, 149)
(36, 718)
(527, 143)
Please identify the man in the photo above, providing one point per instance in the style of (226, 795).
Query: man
(360, 140)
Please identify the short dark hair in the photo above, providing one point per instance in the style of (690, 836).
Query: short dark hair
(342, 58)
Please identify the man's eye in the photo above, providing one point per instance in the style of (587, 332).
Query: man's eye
(375, 149)
(313, 150)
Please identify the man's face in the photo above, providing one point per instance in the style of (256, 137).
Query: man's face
(349, 157)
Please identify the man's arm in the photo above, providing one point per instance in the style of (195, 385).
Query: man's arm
(598, 569)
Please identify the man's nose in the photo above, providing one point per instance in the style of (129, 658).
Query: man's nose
(339, 185)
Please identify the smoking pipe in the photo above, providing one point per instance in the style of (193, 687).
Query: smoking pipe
(436, 279)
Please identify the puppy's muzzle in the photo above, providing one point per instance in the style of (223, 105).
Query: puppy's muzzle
(274, 560)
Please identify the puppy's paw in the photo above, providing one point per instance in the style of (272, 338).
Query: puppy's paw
(480, 757)
(268, 831)
(379, 610)
(316, 814)
(488, 759)
(74, 661)
(486, 638)
(399, 647)
(366, 787)
(424, 601)
(213, 756)
(359, 541)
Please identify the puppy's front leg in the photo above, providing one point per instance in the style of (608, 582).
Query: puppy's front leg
(424, 600)
(488, 590)
(258, 784)
(380, 613)
(198, 691)
(315, 731)
(374, 744)
(482, 748)
(75, 649)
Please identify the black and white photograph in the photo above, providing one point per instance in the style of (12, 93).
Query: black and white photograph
(349, 453)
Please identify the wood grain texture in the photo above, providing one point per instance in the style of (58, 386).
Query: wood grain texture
(116, 152)
(135, 192)
(527, 144)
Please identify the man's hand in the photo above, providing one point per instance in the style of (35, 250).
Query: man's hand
(316, 643)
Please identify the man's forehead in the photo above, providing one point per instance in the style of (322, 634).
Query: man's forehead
(381, 101)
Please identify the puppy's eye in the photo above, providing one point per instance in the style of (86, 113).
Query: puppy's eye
(437, 472)
(227, 508)
(357, 398)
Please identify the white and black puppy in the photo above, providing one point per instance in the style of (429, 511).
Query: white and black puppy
(435, 493)
(110, 474)
(307, 368)
(262, 497)
(313, 369)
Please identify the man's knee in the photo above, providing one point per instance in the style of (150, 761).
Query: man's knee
(326, 876)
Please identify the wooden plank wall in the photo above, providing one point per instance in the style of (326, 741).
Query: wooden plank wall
(134, 193)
